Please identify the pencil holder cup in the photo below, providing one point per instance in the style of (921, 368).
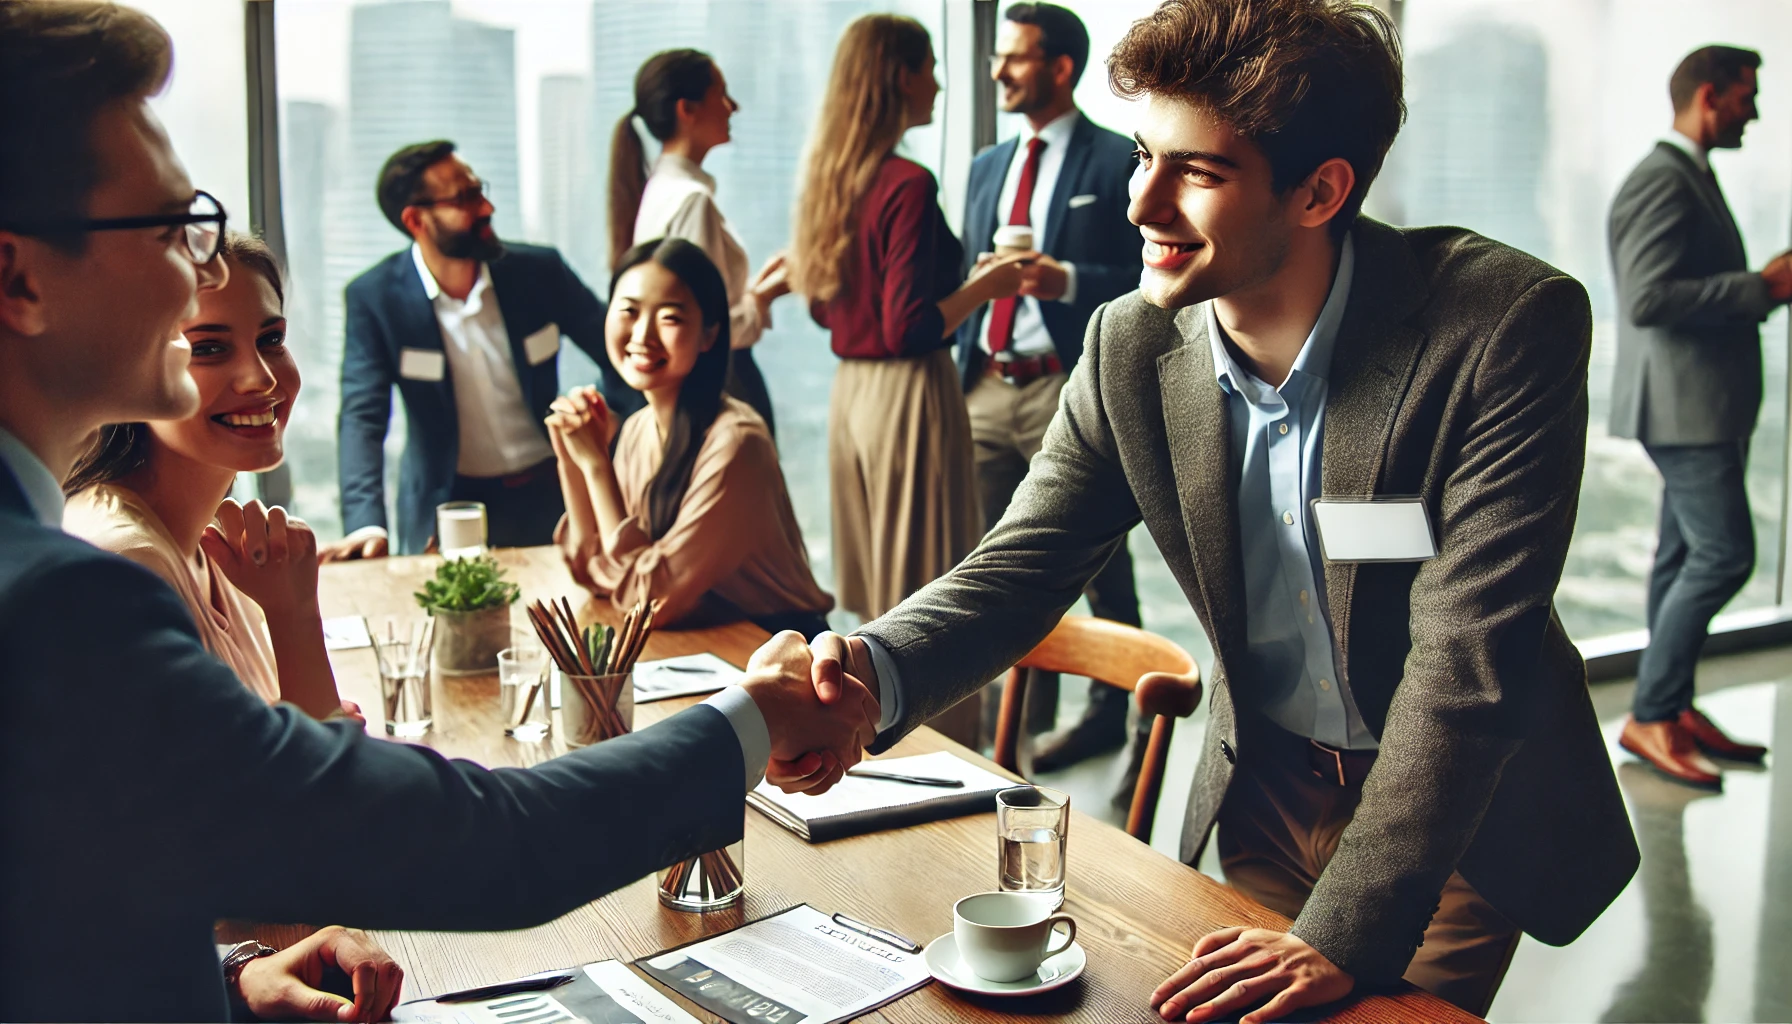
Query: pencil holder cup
(595, 708)
(710, 881)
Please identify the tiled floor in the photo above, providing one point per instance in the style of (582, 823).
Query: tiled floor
(1704, 931)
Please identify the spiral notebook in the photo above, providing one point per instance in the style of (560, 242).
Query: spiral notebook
(857, 805)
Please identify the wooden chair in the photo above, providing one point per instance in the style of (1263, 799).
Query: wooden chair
(1165, 679)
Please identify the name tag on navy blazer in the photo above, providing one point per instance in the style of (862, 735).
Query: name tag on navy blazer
(422, 364)
(1082, 200)
(541, 346)
(1373, 530)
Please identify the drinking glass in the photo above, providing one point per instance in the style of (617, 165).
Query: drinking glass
(1032, 826)
(709, 881)
(460, 529)
(522, 686)
(404, 676)
(594, 708)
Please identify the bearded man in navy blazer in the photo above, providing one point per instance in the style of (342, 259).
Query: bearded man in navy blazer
(1065, 177)
(468, 329)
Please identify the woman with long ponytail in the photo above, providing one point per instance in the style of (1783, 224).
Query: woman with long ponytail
(682, 100)
(691, 510)
(882, 272)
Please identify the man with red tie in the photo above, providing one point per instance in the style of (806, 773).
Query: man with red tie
(1065, 177)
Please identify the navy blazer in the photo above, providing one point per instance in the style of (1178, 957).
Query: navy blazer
(1094, 235)
(146, 793)
(387, 312)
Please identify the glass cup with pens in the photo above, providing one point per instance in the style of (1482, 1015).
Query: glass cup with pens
(404, 676)
(1032, 828)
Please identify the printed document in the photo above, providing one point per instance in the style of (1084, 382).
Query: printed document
(797, 966)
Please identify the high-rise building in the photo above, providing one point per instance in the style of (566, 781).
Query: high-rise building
(570, 186)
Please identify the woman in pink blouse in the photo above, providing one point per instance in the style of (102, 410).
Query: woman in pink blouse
(156, 494)
(691, 510)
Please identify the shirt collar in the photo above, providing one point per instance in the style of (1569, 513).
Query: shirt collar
(1690, 148)
(35, 478)
(678, 165)
(1056, 132)
(434, 290)
(1315, 358)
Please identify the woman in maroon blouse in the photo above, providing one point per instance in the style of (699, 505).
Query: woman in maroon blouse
(881, 269)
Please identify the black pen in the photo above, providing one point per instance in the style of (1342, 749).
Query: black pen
(538, 983)
(879, 934)
(914, 780)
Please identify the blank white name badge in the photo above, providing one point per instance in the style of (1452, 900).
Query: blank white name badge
(1373, 530)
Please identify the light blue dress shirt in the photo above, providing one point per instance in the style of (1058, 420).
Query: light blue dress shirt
(40, 485)
(1277, 436)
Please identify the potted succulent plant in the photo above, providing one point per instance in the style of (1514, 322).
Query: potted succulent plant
(470, 601)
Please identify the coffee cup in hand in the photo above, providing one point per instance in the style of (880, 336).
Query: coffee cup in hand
(1013, 238)
(1005, 936)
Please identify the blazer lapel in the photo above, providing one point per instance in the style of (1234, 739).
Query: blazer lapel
(1198, 429)
(989, 212)
(506, 292)
(1372, 364)
(1069, 174)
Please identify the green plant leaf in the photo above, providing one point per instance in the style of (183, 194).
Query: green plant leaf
(467, 585)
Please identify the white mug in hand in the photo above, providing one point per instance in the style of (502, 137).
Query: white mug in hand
(1003, 936)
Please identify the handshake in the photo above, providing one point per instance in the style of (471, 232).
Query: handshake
(820, 703)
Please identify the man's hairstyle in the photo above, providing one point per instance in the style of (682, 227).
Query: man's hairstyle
(401, 179)
(60, 63)
(1306, 80)
(1717, 66)
(1061, 34)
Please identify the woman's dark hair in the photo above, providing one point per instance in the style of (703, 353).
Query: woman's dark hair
(119, 449)
(700, 397)
(666, 78)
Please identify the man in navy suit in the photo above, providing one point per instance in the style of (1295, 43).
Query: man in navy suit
(141, 784)
(1065, 177)
(469, 329)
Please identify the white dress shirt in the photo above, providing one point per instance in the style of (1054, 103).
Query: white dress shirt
(1030, 336)
(1690, 148)
(680, 202)
(498, 435)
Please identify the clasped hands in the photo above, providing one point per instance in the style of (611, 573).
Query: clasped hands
(820, 707)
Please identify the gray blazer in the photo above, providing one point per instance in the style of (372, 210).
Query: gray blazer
(1689, 338)
(1459, 376)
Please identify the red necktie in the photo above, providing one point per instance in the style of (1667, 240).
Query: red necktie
(1001, 313)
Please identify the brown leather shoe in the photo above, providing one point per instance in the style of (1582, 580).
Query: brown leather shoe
(1712, 740)
(1671, 750)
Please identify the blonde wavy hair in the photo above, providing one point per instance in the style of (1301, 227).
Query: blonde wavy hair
(862, 118)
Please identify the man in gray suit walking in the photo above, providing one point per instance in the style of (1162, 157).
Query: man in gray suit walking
(1401, 753)
(1688, 386)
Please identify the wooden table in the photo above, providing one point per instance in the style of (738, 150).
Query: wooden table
(1137, 911)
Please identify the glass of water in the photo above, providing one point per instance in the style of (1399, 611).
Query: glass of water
(1032, 826)
(404, 676)
(522, 686)
(460, 529)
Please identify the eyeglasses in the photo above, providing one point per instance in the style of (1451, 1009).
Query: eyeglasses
(204, 223)
(472, 196)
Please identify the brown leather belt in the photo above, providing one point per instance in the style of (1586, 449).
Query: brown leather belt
(521, 478)
(1025, 369)
(1341, 768)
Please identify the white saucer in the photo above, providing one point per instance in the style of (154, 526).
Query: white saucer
(1060, 969)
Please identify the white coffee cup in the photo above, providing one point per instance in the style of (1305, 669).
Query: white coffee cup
(1013, 238)
(1003, 936)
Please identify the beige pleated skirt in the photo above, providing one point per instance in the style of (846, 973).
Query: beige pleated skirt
(903, 478)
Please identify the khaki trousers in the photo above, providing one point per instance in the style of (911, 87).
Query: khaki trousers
(1278, 828)
(1008, 424)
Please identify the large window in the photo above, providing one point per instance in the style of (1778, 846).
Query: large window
(531, 92)
(1525, 116)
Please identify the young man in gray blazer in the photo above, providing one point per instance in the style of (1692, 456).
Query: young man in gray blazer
(1688, 385)
(141, 784)
(1401, 755)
